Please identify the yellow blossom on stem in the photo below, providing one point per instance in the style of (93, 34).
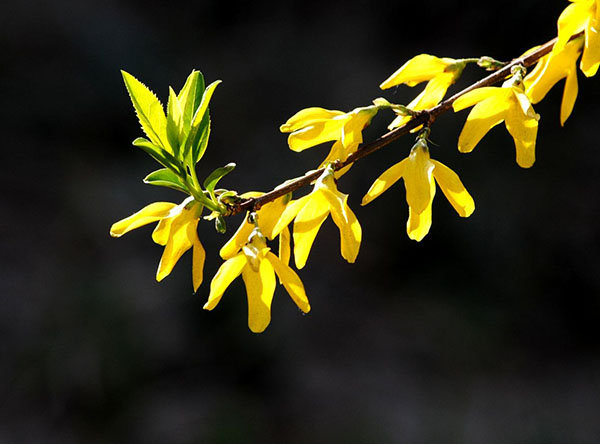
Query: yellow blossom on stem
(550, 70)
(582, 15)
(419, 171)
(309, 213)
(439, 73)
(265, 218)
(258, 267)
(493, 105)
(176, 231)
(313, 126)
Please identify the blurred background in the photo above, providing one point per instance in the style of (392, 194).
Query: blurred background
(486, 331)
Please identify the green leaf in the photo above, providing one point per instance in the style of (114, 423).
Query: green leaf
(163, 157)
(202, 109)
(190, 97)
(166, 178)
(199, 146)
(174, 121)
(199, 123)
(149, 111)
(211, 181)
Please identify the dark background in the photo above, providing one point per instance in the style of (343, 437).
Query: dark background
(486, 331)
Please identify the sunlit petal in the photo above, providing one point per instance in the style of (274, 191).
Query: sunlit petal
(306, 226)
(227, 272)
(571, 21)
(590, 61)
(307, 117)
(150, 213)
(476, 96)
(315, 134)
(418, 69)
(288, 215)
(233, 245)
(284, 246)
(180, 240)
(344, 218)
(433, 93)
(453, 189)
(260, 287)
(418, 224)
(569, 96)
(269, 215)
(383, 182)
(524, 132)
(198, 257)
(290, 281)
(418, 179)
(483, 117)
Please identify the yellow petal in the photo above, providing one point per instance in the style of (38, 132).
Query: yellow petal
(524, 104)
(227, 272)
(290, 212)
(269, 215)
(453, 189)
(418, 179)
(553, 67)
(307, 117)
(307, 224)
(347, 223)
(339, 152)
(358, 120)
(569, 97)
(383, 182)
(537, 84)
(284, 246)
(198, 257)
(433, 93)
(590, 61)
(418, 69)
(150, 213)
(315, 134)
(524, 132)
(336, 152)
(399, 121)
(260, 287)
(181, 238)
(160, 235)
(483, 117)
(233, 245)
(290, 281)
(476, 96)
(571, 21)
(418, 224)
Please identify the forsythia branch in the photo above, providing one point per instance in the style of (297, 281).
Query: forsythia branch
(178, 140)
(426, 117)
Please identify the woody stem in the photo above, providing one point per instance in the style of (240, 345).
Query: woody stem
(426, 117)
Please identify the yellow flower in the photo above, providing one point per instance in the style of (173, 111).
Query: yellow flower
(494, 105)
(550, 70)
(266, 218)
(439, 73)
(418, 171)
(313, 126)
(258, 267)
(309, 213)
(582, 15)
(176, 231)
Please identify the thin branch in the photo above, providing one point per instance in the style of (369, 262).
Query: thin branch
(422, 117)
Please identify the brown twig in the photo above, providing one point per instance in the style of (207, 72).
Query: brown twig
(423, 117)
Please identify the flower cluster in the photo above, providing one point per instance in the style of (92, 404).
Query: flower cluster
(178, 139)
